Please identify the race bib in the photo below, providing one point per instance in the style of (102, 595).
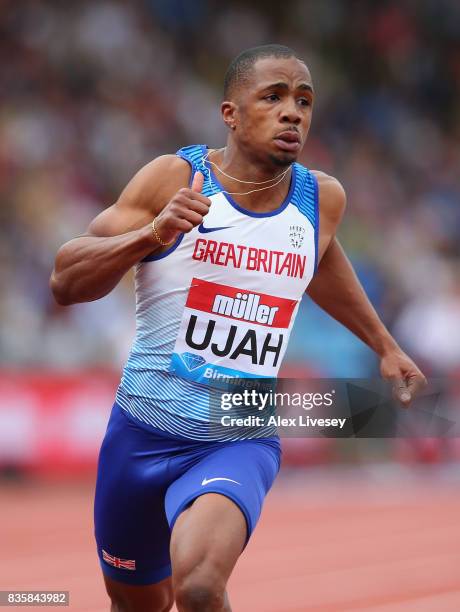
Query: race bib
(227, 332)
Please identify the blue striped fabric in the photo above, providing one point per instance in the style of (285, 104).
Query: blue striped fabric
(151, 414)
(194, 155)
(304, 196)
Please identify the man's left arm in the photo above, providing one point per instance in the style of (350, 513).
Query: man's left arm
(337, 290)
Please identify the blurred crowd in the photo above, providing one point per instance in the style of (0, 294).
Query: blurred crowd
(91, 91)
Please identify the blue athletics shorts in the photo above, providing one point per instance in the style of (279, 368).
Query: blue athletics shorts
(147, 477)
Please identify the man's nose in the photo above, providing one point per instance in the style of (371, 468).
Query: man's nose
(291, 113)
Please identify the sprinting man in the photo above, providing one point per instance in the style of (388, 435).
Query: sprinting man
(224, 243)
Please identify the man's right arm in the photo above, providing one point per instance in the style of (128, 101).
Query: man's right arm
(90, 266)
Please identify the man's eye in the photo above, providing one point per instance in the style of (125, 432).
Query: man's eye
(272, 97)
(304, 102)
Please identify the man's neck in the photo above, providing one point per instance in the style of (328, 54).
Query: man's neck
(230, 166)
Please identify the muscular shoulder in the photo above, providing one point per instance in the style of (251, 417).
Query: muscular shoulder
(144, 197)
(156, 183)
(332, 197)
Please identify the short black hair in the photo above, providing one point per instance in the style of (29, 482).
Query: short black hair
(238, 71)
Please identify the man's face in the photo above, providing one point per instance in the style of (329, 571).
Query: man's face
(272, 112)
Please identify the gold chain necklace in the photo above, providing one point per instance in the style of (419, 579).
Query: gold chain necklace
(280, 177)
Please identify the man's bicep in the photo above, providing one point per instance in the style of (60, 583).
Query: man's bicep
(116, 220)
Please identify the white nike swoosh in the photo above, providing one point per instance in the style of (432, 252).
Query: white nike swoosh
(206, 481)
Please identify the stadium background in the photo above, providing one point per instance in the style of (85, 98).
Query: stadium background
(91, 91)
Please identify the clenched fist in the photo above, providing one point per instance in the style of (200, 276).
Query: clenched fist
(183, 212)
(406, 377)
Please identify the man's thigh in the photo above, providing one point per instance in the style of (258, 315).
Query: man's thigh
(242, 471)
(213, 509)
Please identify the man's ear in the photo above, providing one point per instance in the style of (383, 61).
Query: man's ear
(229, 113)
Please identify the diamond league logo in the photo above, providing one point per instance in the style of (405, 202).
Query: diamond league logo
(296, 234)
(192, 361)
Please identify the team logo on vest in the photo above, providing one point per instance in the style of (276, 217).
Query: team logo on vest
(297, 235)
(231, 330)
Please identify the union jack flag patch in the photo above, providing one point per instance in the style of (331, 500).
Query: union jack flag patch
(129, 564)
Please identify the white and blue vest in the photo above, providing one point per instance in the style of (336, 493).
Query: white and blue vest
(220, 303)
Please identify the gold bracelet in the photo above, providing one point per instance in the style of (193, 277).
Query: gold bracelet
(157, 236)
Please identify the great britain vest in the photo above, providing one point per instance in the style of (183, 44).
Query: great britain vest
(219, 304)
